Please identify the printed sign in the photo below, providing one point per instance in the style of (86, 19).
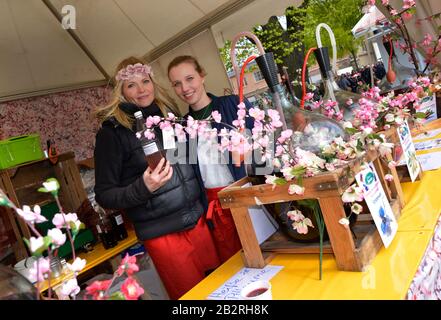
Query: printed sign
(409, 150)
(429, 104)
(168, 139)
(377, 203)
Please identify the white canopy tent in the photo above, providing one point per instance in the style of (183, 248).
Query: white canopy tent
(38, 56)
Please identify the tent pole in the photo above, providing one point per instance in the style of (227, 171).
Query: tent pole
(75, 37)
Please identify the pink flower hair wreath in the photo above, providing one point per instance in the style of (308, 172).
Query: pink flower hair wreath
(133, 70)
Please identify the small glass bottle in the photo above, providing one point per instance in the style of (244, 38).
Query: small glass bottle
(104, 228)
(151, 147)
(118, 224)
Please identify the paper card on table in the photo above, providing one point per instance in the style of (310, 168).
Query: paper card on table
(427, 135)
(428, 144)
(377, 203)
(263, 223)
(430, 161)
(230, 290)
(409, 150)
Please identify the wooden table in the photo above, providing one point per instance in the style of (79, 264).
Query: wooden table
(95, 257)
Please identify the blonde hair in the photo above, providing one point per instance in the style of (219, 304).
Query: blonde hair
(162, 98)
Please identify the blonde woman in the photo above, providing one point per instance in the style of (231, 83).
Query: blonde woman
(164, 204)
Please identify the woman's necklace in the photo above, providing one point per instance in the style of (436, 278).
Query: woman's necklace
(203, 113)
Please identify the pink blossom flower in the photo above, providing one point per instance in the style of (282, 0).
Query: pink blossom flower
(165, 125)
(389, 177)
(392, 164)
(65, 222)
(98, 288)
(257, 114)
(43, 268)
(406, 15)
(309, 96)
(216, 116)
(295, 215)
(31, 216)
(131, 289)
(300, 223)
(128, 265)
(427, 40)
(149, 134)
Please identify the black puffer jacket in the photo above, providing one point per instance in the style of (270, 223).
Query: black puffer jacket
(119, 166)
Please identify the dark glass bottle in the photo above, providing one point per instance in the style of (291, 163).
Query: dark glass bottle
(151, 147)
(104, 228)
(118, 225)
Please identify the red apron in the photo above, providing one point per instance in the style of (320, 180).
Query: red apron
(182, 258)
(224, 230)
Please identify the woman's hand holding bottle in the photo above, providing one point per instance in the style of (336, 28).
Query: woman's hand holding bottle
(155, 179)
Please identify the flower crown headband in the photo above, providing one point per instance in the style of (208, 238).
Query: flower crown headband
(133, 70)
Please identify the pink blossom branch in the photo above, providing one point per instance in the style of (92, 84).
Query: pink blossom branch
(67, 227)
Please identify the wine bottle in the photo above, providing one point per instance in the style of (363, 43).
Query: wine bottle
(151, 147)
(104, 228)
(118, 225)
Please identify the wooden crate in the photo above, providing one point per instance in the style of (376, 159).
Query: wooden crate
(351, 254)
(20, 184)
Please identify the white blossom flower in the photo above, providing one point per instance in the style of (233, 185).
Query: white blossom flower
(70, 288)
(51, 185)
(344, 221)
(58, 237)
(77, 265)
(352, 194)
(296, 189)
(356, 208)
(36, 243)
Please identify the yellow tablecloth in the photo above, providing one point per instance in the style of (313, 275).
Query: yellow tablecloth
(388, 277)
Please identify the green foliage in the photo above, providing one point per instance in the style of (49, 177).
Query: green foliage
(340, 15)
(244, 49)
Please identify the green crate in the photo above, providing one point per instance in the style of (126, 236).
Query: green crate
(21, 149)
